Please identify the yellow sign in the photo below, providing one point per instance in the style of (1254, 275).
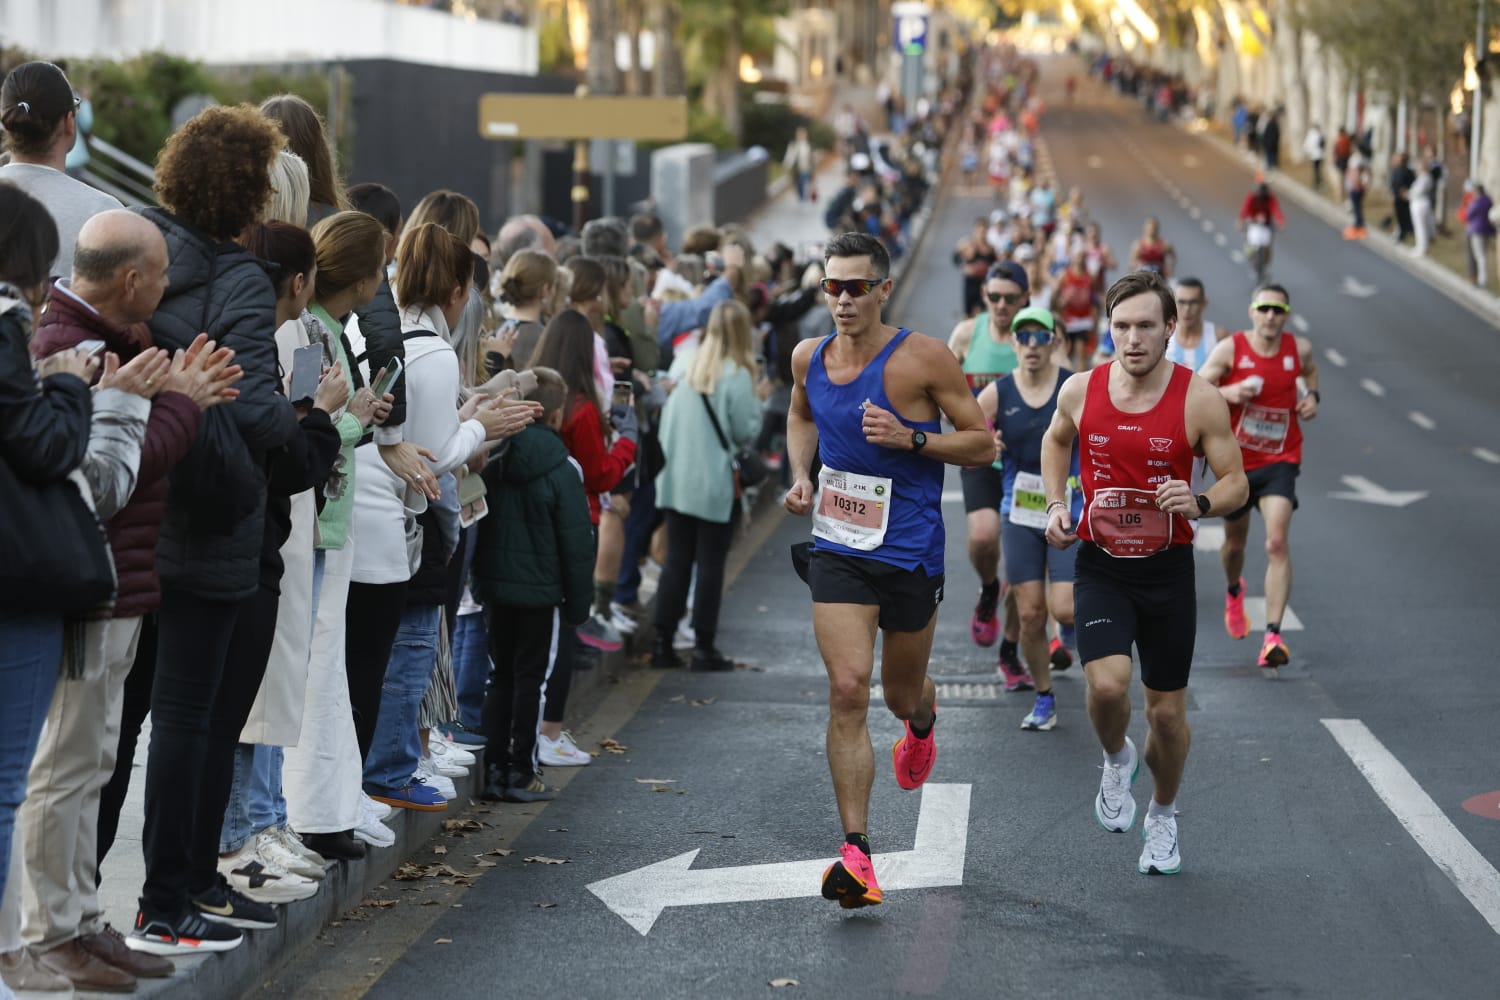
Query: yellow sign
(561, 116)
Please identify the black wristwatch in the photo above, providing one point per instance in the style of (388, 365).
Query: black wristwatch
(918, 440)
(1317, 397)
(1203, 504)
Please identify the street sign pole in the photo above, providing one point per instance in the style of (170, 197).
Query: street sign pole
(911, 21)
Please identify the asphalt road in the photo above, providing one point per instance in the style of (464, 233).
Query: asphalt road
(1299, 879)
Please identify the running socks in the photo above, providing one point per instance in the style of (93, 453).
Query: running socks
(1008, 649)
(860, 841)
(990, 591)
(1235, 588)
(1117, 759)
(922, 734)
(1162, 811)
(1273, 628)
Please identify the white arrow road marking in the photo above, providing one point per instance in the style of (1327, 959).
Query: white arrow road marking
(1371, 386)
(1357, 288)
(1423, 818)
(1221, 239)
(1364, 491)
(1335, 358)
(1422, 420)
(1299, 322)
(936, 859)
(1485, 455)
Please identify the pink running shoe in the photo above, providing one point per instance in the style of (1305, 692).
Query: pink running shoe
(1235, 622)
(851, 879)
(985, 625)
(1273, 652)
(1016, 676)
(912, 758)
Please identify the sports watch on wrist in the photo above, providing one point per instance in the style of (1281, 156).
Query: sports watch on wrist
(1203, 504)
(918, 440)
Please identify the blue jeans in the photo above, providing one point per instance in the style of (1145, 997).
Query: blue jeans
(255, 799)
(397, 747)
(30, 654)
(637, 541)
(803, 179)
(471, 667)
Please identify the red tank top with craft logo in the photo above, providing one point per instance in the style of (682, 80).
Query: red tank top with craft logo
(1266, 427)
(1123, 457)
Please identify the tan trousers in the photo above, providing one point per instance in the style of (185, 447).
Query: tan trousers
(59, 821)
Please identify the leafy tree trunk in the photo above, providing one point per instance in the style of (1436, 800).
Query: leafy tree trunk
(670, 78)
(728, 78)
(635, 77)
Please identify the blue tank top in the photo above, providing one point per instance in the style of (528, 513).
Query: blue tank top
(914, 537)
(1022, 429)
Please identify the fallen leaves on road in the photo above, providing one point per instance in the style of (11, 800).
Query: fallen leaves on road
(546, 906)
(463, 825)
(379, 903)
(680, 697)
(439, 849)
(443, 941)
(656, 781)
(412, 872)
(700, 702)
(542, 859)
(428, 902)
(500, 852)
(613, 746)
(484, 864)
(779, 983)
(558, 829)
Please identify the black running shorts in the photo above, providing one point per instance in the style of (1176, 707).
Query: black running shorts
(908, 598)
(1279, 479)
(983, 488)
(1150, 603)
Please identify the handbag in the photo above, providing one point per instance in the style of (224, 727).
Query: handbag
(749, 468)
(413, 543)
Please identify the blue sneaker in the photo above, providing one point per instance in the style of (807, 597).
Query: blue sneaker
(461, 735)
(1043, 714)
(418, 795)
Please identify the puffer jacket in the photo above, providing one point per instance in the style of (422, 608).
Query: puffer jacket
(170, 430)
(216, 503)
(536, 546)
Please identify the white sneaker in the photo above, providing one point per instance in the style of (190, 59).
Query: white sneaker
(623, 623)
(440, 783)
(441, 749)
(439, 765)
(379, 810)
(373, 832)
(275, 853)
(684, 637)
(253, 876)
(561, 752)
(1114, 806)
(1161, 855)
(288, 838)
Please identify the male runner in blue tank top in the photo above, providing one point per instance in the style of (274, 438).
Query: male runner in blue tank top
(867, 400)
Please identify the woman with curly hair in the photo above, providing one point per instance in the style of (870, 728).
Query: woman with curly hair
(213, 181)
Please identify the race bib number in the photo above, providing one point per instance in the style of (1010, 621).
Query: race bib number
(1262, 428)
(1258, 234)
(1028, 501)
(852, 510)
(1127, 524)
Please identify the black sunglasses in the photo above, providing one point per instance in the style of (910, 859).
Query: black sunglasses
(856, 287)
(1271, 307)
(1033, 336)
(1011, 298)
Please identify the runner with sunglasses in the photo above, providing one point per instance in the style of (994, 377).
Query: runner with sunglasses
(1270, 381)
(867, 400)
(984, 348)
(1139, 421)
(1020, 406)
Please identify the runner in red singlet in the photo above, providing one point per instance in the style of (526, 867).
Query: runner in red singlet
(1270, 381)
(1152, 253)
(1140, 420)
(1077, 303)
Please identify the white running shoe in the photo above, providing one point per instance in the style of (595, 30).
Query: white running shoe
(379, 810)
(251, 875)
(1114, 806)
(440, 783)
(561, 752)
(371, 830)
(440, 765)
(684, 638)
(623, 623)
(288, 838)
(441, 749)
(276, 854)
(1160, 855)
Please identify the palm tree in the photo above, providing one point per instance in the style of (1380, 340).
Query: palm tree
(714, 35)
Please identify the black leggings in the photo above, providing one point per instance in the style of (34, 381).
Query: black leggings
(193, 642)
(524, 644)
(249, 653)
(371, 618)
(693, 540)
(137, 705)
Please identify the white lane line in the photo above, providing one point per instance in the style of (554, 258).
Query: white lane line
(1208, 225)
(953, 496)
(1210, 537)
(1423, 818)
(1422, 420)
(1195, 213)
(1335, 358)
(1237, 257)
(1221, 239)
(1371, 386)
(1485, 455)
(1300, 322)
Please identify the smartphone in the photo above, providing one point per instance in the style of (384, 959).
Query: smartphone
(623, 394)
(94, 347)
(383, 385)
(307, 372)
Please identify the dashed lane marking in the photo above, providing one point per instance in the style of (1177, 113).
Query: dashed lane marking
(1221, 239)
(1208, 225)
(953, 692)
(1373, 387)
(1422, 420)
(1299, 322)
(1485, 455)
(1335, 358)
(1237, 257)
(1195, 213)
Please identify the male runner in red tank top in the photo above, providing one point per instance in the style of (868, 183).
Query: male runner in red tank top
(1270, 381)
(1141, 420)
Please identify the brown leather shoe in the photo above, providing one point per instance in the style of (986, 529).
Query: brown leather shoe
(22, 972)
(86, 970)
(109, 945)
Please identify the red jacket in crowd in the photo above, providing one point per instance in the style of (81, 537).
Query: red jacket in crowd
(583, 432)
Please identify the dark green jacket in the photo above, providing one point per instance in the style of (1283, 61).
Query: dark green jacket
(536, 544)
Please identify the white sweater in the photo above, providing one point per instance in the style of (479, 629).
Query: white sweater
(381, 501)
